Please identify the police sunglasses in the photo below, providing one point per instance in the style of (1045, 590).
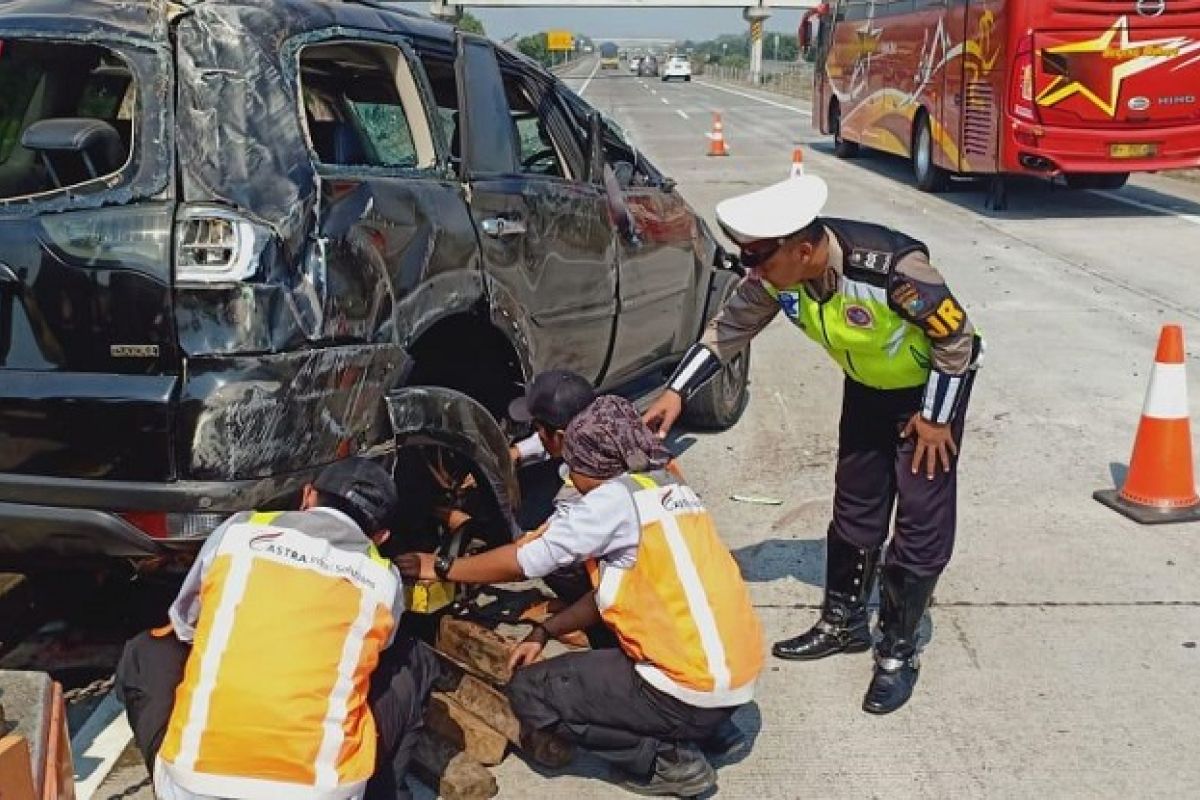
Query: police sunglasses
(756, 254)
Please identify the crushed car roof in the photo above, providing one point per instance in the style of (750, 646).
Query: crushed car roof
(149, 19)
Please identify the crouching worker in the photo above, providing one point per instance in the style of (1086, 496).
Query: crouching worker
(280, 676)
(690, 644)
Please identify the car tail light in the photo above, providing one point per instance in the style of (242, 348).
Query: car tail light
(124, 237)
(162, 525)
(1021, 88)
(216, 246)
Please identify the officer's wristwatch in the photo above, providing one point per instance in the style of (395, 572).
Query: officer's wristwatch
(441, 566)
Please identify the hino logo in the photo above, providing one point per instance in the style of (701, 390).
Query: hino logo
(1151, 8)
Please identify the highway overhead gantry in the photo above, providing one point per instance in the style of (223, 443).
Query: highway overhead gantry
(754, 12)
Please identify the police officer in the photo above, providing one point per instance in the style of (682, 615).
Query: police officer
(870, 298)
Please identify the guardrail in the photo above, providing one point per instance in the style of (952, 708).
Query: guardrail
(794, 80)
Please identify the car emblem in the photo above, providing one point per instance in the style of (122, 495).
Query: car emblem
(1151, 8)
(1139, 103)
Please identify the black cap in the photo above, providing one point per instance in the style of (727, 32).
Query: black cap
(368, 490)
(554, 397)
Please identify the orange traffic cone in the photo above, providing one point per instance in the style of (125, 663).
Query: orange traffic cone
(797, 162)
(1161, 484)
(716, 139)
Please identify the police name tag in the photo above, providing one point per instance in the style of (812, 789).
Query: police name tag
(871, 260)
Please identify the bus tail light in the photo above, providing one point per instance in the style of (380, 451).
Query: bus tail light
(1021, 84)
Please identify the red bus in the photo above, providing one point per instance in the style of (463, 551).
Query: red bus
(1087, 89)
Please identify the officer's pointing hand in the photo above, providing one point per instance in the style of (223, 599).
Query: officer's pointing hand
(935, 445)
(416, 566)
(663, 413)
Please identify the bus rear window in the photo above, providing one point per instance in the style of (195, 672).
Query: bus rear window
(66, 116)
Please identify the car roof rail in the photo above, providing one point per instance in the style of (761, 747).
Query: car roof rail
(392, 6)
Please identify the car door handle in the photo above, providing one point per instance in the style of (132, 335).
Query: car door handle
(499, 227)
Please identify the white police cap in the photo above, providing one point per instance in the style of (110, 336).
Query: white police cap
(774, 212)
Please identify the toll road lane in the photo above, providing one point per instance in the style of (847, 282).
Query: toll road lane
(1063, 636)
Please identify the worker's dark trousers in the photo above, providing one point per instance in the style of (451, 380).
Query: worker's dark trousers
(598, 701)
(874, 475)
(151, 668)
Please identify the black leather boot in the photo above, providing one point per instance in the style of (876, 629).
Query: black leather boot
(843, 627)
(903, 598)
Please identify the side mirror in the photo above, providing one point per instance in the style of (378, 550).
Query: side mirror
(668, 185)
(618, 210)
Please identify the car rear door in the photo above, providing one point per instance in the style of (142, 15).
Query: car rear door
(88, 352)
(544, 231)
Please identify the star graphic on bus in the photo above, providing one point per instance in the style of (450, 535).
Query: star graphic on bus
(1096, 68)
(866, 43)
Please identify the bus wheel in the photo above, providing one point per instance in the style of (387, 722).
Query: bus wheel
(841, 147)
(1107, 181)
(930, 177)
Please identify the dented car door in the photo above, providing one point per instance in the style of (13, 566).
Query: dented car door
(547, 243)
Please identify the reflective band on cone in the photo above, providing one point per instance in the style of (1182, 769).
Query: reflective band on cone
(1161, 485)
(716, 139)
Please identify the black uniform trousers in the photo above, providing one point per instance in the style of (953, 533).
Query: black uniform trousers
(874, 475)
(151, 668)
(597, 700)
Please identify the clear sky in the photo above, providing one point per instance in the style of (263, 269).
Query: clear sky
(599, 23)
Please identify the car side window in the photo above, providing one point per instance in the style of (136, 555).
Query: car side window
(362, 106)
(533, 116)
(444, 84)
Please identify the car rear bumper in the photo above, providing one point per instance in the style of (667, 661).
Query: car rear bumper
(69, 518)
(1044, 150)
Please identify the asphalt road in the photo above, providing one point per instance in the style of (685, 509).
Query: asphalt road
(1062, 656)
(1062, 659)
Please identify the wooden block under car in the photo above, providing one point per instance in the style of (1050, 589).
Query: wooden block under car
(460, 727)
(453, 774)
(479, 649)
(492, 707)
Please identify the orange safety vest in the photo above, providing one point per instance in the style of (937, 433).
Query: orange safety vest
(682, 611)
(294, 611)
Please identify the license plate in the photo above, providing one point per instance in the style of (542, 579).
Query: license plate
(1132, 150)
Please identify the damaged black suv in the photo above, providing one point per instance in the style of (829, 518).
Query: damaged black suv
(241, 240)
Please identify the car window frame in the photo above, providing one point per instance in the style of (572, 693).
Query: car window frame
(147, 172)
(543, 94)
(429, 119)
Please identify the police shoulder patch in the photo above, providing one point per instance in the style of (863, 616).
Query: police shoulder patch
(871, 260)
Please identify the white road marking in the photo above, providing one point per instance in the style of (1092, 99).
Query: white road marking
(666, 102)
(682, 113)
(763, 100)
(588, 82)
(1129, 201)
(98, 745)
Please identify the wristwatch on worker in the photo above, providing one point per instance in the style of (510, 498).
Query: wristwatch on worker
(441, 566)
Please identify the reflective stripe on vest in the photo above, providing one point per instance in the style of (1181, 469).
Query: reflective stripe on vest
(682, 611)
(870, 342)
(273, 702)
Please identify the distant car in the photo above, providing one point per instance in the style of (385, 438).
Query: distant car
(677, 67)
(648, 68)
(634, 63)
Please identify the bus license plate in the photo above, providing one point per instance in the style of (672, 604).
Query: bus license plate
(1133, 150)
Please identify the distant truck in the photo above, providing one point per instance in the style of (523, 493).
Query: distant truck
(609, 56)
